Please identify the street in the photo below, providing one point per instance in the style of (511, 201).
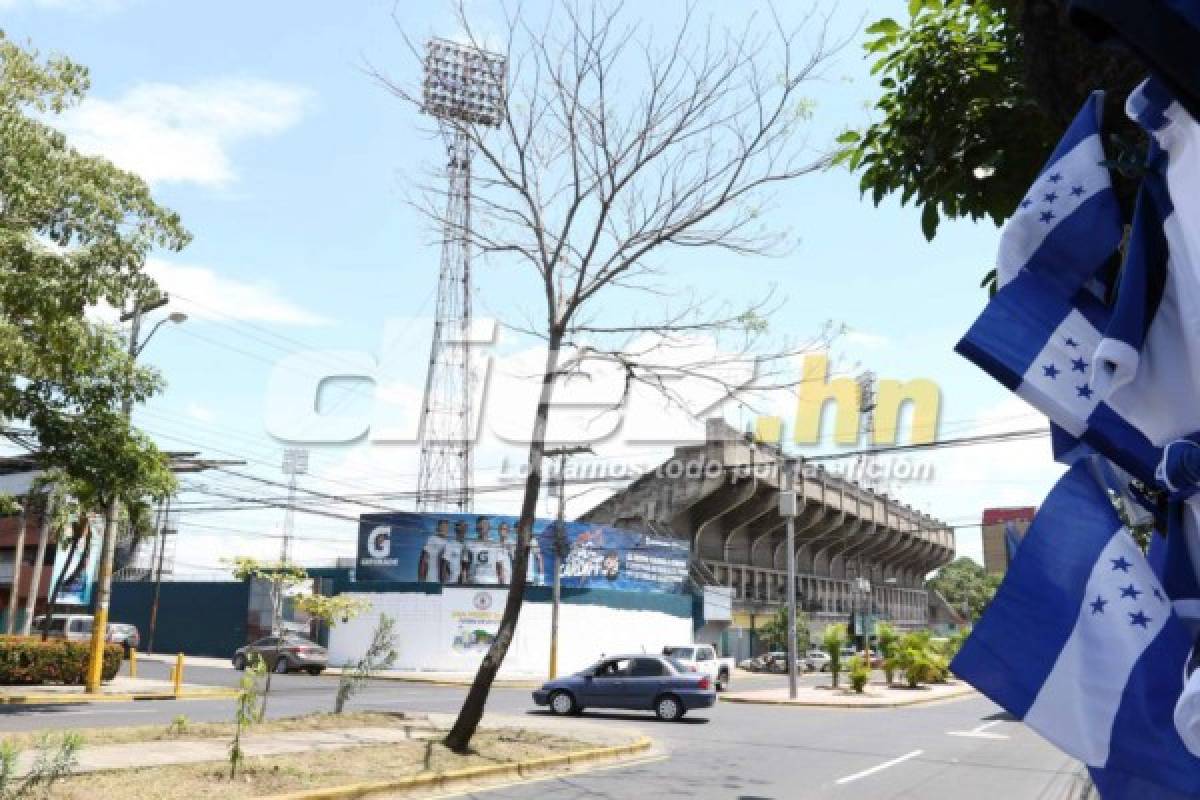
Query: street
(952, 749)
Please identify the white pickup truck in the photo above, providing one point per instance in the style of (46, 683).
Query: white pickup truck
(703, 658)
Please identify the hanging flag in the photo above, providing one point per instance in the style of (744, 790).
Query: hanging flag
(1069, 223)
(1080, 643)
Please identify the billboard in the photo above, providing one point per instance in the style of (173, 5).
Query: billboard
(479, 550)
(79, 591)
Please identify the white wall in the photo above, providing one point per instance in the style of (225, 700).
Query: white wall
(427, 627)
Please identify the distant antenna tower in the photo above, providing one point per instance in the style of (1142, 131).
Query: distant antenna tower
(295, 462)
(463, 88)
(866, 411)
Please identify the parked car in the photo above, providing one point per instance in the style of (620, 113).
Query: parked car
(703, 658)
(817, 660)
(78, 628)
(124, 634)
(638, 682)
(753, 664)
(284, 654)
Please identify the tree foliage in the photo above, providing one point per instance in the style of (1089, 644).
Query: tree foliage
(975, 94)
(775, 632)
(74, 232)
(833, 640)
(965, 585)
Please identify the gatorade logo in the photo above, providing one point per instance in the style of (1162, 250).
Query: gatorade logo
(379, 542)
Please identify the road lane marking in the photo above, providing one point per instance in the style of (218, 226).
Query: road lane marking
(979, 732)
(879, 767)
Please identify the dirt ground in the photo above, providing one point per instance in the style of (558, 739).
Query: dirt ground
(311, 770)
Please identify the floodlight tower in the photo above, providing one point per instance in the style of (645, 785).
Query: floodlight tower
(463, 91)
(866, 410)
(295, 462)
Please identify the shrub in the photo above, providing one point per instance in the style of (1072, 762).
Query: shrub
(887, 637)
(859, 673)
(32, 662)
(833, 640)
(918, 656)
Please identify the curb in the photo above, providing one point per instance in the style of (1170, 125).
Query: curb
(126, 697)
(851, 707)
(443, 780)
(502, 683)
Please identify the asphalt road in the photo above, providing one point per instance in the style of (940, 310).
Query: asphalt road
(954, 749)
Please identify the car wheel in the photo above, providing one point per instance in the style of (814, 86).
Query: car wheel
(562, 703)
(239, 662)
(668, 708)
(281, 665)
(314, 670)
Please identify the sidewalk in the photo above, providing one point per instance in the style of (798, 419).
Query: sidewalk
(412, 676)
(120, 689)
(877, 695)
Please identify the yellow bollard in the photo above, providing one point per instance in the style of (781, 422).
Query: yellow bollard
(177, 673)
(133, 662)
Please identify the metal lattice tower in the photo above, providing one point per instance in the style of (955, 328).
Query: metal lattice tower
(295, 462)
(463, 88)
(866, 409)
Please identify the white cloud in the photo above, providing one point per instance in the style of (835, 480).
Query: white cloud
(172, 133)
(203, 294)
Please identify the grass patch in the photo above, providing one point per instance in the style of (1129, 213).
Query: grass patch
(223, 730)
(311, 770)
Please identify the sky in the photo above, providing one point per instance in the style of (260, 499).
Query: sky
(263, 126)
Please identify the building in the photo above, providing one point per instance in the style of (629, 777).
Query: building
(17, 476)
(722, 496)
(1003, 529)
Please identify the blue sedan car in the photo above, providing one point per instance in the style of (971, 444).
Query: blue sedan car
(638, 682)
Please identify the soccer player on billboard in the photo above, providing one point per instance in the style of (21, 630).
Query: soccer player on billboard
(431, 553)
(453, 555)
(535, 568)
(483, 557)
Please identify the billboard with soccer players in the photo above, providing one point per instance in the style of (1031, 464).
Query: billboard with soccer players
(479, 550)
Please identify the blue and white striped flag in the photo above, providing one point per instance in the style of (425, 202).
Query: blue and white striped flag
(1069, 223)
(1081, 644)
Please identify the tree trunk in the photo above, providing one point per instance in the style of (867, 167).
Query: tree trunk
(63, 578)
(35, 582)
(14, 588)
(459, 738)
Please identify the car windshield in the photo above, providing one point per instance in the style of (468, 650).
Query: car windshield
(676, 665)
(678, 652)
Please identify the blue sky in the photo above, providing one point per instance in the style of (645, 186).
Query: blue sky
(260, 124)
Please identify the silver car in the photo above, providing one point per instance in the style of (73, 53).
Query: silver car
(284, 654)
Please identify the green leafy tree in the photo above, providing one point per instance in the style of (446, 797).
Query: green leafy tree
(833, 640)
(249, 708)
(974, 96)
(775, 632)
(920, 659)
(887, 638)
(966, 586)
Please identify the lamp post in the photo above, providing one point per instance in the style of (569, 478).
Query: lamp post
(560, 546)
(108, 542)
(787, 509)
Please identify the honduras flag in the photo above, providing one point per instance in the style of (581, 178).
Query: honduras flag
(1081, 644)
(1069, 223)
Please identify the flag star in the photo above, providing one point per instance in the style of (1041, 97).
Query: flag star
(1098, 605)
(1139, 619)
(1051, 371)
(1078, 365)
(1056, 177)
(1159, 595)
(1071, 342)
(1121, 564)
(1051, 197)
(1130, 591)
(1026, 203)
(1076, 190)
(1046, 216)
(1084, 391)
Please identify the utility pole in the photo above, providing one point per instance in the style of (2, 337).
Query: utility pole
(560, 545)
(109, 541)
(787, 509)
(158, 571)
(295, 462)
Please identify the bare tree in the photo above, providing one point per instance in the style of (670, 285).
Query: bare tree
(617, 147)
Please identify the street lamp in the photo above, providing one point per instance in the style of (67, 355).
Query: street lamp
(560, 545)
(108, 540)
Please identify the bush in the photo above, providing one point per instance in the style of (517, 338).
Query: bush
(918, 655)
(32, 662)
(833, 640)
(859, 673)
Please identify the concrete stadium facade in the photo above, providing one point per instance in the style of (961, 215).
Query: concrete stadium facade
(724, 496)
